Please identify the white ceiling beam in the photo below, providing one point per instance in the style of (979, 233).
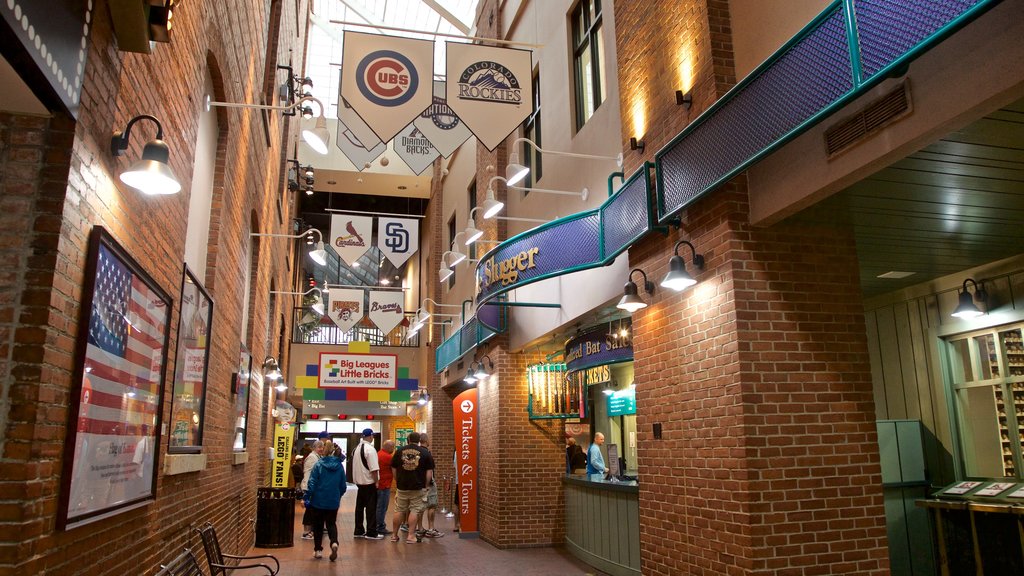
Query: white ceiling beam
(441, 11)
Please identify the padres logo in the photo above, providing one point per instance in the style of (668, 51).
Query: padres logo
(386, 78)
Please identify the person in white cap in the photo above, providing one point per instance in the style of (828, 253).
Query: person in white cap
(365, 474)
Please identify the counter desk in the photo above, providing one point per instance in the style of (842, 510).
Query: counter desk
(602, 524)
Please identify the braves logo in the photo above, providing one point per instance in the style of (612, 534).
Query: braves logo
(386, 78)
(396, 237)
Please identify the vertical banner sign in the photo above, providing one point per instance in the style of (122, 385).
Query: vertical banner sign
(282, 454)
(490, 89)
(351, 236)
(415, 149)
(467, 427)
(362, 133)
(387, 79)
(398, 238)
(346, 308)
(441, 125)
(386, 309)
(353, 148)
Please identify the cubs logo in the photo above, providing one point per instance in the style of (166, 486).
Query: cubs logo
(489, 82)
(386, 78)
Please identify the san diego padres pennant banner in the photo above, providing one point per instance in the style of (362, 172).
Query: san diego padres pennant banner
(346, 308)
(386, 309)
(398, 238)
(490, 89)
(388, 80)
(440, 125)
(351, 236)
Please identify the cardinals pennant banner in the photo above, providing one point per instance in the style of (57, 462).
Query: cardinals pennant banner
(440, 125)
(351, 236)
(346, 308)
(388, 80)
(386, 309)
(490, 89)
(398, 238)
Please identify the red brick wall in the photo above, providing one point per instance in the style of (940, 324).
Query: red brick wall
(62, 179)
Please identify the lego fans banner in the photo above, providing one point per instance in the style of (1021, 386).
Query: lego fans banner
(388, 80)
(386, 309)
(439, 124)
(490, 89)
(351, 236)
(353, 370)
(398, 238)
(283, 434)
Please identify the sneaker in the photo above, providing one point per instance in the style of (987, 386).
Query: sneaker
(318, 554)
(420, 533)
(384, 531)
(404, 528)
(359, 535)
(307, 535)
(432, 533)
(334, 551)
(374, 537)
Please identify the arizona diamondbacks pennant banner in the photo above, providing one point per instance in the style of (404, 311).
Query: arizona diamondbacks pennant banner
(490, 89)
(386, 309)
(346, 308)
(351, 236)
(398, 238)
(440, 125)
(415, 149)
(387, 79)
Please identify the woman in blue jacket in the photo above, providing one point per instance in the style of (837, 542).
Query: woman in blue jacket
(324, 490)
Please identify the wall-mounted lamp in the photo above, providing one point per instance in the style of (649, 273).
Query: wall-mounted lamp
(470, 377)
(966, 309)
(295, 84)
(318, 302)
(424, 397)
(316, 137)
(271, 369)
(631, 301)
(508, 183)
(151, 175)
(481, 369)
(635, 144)
(521, 171)
(678, 278)
(515, 172)
(318, 254)
(684, 99)
(491, 205)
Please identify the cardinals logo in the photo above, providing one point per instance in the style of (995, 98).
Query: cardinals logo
(353, 238)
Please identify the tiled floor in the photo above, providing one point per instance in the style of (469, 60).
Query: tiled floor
(447, 556)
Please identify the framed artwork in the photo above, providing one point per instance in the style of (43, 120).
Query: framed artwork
(188, 396)
(111, 450)
(242, 384)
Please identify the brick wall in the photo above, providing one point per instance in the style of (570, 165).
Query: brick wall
(59, 176)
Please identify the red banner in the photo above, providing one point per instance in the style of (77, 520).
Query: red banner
(467, 426)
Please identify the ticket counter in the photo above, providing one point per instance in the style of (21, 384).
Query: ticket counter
(602, 524)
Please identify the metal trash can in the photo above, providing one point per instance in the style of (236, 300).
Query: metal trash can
(275, 517)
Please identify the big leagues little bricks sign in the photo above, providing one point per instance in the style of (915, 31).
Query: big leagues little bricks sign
(353, 370)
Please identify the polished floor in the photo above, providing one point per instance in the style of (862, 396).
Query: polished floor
(447, 556)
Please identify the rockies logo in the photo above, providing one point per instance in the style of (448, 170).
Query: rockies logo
(386, 78)
(396, 237)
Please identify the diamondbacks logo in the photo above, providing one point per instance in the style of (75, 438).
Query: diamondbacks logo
(386, 78)
(396, 237)
(353, 238)
(440, 114)
(489, 82)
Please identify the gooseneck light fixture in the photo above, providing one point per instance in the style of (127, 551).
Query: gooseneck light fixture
(271, 369)
(318, 302)
(515, 172)
(966, 309)
(491, 205)
(481, 370)
(317, 137)
(318, 254)
(631, 301)
(678, 278)
(151, 175)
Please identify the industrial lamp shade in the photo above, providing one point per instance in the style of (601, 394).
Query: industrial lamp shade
(472, 232)
(480, 373)
(678, 278)
(456, 257)
(445, 272)
(152, 175)
(272, 368)
(515, 172)
(318, 306)
(630, 301)
(966, 309)
(491, 206)
(318, 137)
(319, 254)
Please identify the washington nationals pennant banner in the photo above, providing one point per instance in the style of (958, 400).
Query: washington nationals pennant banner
(346, 308)
(351, 236)
(398, 238)
(440, 125)
(386, 309)
(388, 80)
(490, 89)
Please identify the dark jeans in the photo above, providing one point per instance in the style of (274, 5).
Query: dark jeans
(321, 518)
(383, 496)
(366, 504)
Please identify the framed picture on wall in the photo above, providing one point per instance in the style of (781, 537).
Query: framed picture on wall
(188, 395)
(243, 380)
(112, 444)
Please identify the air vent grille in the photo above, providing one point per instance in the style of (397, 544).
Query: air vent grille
(870, 120)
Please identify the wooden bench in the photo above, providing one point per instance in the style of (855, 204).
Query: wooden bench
(184, 564)
(217, 560)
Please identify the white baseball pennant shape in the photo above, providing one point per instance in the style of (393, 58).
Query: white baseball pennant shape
(415, 149)
(386, 309)
(490, 89)
(441, 125)
(388, 80)
(351, 236)
(353, 148)
(398, 238)
(358, 131)
(346, 308)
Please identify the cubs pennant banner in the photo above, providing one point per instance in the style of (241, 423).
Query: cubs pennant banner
(490, 89)
(387, 79)
(386, 309)
(351, 236)
(415, 149)
(440, 125)
(346, 308)
(398, 238)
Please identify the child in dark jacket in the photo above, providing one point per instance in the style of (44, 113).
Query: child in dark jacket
(324, 489)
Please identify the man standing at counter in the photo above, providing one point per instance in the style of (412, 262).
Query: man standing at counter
(595, 460)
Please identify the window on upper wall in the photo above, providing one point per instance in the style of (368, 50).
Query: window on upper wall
(472, 204)
(588, 59)
(531, 130)
(200, 200)
(451, 238)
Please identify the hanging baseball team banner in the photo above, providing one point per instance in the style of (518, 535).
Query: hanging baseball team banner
(386, 309)
(467, 426)
(386, 79)
(353, 148)
(346, 308)
(398, 238)
(357, 132)
(415, 149)
(351, 236)
(490, 89)
(283, 434)
(441, 125)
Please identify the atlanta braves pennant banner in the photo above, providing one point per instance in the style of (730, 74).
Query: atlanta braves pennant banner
(415, 149)
(490, 89)
(387, 79)
(440, 125)
(398, 238)
(346, 308)
(386, 309)
(351, 236)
